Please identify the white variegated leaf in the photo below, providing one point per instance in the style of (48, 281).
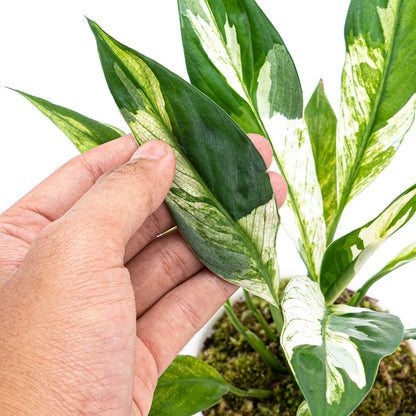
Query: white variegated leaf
(378, 91)
(345, 256)
(407, 255)
(303, 409)
(250, 74)
(221, 198)
(334, 351)
(84, 132)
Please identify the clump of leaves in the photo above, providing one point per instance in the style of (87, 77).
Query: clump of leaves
(244, 80)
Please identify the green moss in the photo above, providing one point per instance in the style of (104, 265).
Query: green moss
(393, 394)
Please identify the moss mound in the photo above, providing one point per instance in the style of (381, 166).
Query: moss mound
(393, 394)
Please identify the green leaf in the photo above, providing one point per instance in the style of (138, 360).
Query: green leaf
(248, 71)
(221, 198)
(322, 126)
(407, 255)
(409, 334)
(188, 386)
(334, 352)
(345, 256)
(378, 90)
(84, 132)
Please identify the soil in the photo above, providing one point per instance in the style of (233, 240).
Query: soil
(393, 393)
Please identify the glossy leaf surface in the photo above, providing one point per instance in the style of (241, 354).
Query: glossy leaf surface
(248, 71)
(83, 131)
(345, 256)
(334, 352)
(378, 90)
(188, 386)
(407, 255)
(322, 127)
(221, 198)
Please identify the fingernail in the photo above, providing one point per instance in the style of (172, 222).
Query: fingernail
(153, 150)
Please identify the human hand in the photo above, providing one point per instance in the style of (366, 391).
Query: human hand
(94, 306)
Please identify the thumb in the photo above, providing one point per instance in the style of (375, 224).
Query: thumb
(119, 202)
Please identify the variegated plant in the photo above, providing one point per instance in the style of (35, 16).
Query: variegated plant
(244, 81)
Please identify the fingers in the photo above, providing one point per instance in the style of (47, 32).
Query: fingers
(115, 207)
(279, 184)
(263, 147)
(57, 193)
(157, 223)
(170, 324)
(165, 263)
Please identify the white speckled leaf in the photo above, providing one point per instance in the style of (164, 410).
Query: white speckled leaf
(248, 71)
(378, 90)
(334, 351)
(221, 198)
(345, 256)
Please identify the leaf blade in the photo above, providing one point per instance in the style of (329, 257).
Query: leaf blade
(188, 386)
(407, 255)
(249, 72)
(345, 256)
(84, 132)
(334, 351)
(321, 122)
(409, 334)
(221, 197)
(378, 90)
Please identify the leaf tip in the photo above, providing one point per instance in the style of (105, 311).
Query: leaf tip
(93, 26)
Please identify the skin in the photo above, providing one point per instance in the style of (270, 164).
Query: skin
(94, 305)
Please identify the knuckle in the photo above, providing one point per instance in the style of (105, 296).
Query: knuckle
(173, 265)
(187, 308)
(131, 176)
(94, 170)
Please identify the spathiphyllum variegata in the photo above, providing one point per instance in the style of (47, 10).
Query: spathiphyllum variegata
(243, 80)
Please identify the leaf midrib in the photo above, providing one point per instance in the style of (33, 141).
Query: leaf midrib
(368, 131)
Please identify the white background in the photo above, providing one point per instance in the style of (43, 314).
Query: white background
(48, 50)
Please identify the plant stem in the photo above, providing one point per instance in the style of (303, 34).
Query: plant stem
(360, 293)
(260, 318)
(258, 394)
(277, 318)
(256, 343)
